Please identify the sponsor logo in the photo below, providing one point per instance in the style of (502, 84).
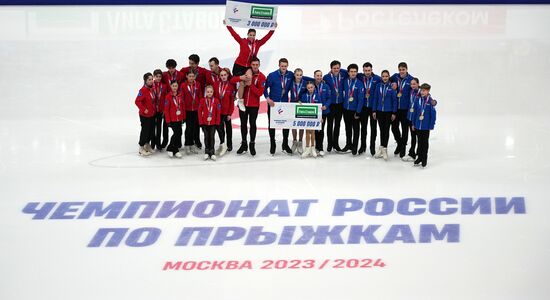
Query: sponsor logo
(235, 10)
(307, 111)
(261, 12)
(280, 111)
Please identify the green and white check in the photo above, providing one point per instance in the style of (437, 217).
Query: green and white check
(285, 115)
(250, 15)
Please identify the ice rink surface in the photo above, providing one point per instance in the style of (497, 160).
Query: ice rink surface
(69, 131)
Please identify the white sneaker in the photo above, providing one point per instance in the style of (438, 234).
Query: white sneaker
(205, 157)
(170, 153)
(223, 150)
(407, 158)
(213, 157)
(385, 153)
(321, 153)
(378, 153)
(143, 152)
(178, 155)
(300, 147)
(294, 146)
(240, 104)
(194, 149)
(313, 151)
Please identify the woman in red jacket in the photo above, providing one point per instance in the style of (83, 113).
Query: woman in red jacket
(225, 91)
(249, 48)
(209, 120)
(174, 115)
(145, 103)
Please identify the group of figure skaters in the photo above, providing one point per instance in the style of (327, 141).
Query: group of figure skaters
(205, 99)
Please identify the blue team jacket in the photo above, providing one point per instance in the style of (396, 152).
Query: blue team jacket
(274, 85)
(324, 91)
(423, 107)
(370, 85)
(306, 98)
(353, 88)
(338, 82)
(297, 90)
(414, 95)
(403, 85)
(387, 103)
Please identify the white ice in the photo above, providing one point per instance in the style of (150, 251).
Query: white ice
(69, 131)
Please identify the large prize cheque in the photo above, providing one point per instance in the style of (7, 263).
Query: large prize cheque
(290, 115)
(250, 15)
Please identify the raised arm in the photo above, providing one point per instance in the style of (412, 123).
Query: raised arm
(233, 33)
(266, 37)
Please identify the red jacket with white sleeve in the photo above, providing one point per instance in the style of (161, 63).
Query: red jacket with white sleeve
(225, 91)
(144, 101)
(209, 108)
(192, 93)
(247, 49)
(173, 104)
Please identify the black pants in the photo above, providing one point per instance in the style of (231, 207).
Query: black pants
(412, 151)
(192, 129)
(366, 115)
(402, 136)
(175, 140)
(225, 127)
(272, 131)
(209, 140)
(423, 145)
(320, 134)
(352, 129)
(384, 122)
(238, 70)
(333, 126)
(147, 130)
(250, 114)
(161, 129)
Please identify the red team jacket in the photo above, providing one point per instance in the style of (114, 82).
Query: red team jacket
(172, 105)
(209, 107)
(247, 49)
(159, 91)
(253, 92)
(211, 77)
(191, 95)
(167, 77)
(225, 91)
(200, 76)
(144, 100)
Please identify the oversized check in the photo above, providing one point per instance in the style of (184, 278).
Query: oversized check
(250, 15)
(295, 116)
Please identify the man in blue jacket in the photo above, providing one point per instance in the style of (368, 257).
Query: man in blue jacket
(401, 82)
(370, 81)
(277, 85)
(354, 97)
(335, 80)
(423, 121)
